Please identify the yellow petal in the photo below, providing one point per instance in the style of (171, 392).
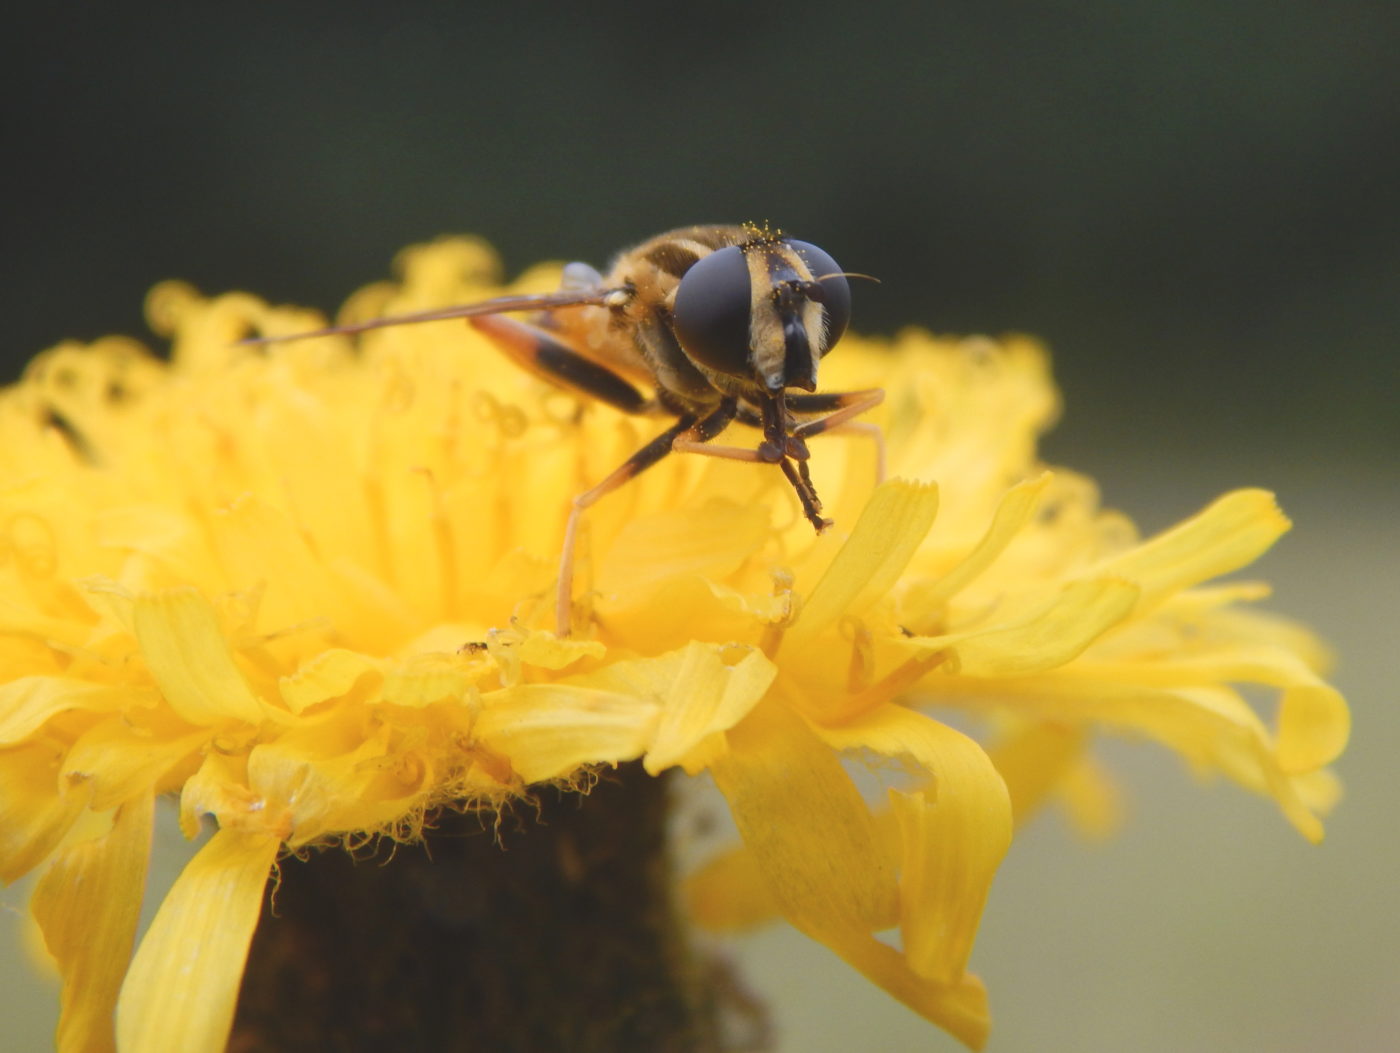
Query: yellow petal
(1211, 726)
(304, 795)
(219, 788)
(1320, 790)
(810, 835)
(884, 539)
(511, 650)
(1313, 719)
(729, 893)
(706, 697)
(923, 605)
(711, 540)
(34, 815)
(329, 674)
(810, 832)
(960, 1008)
(260, 546)
(549, 730)
(954, 833)
(544, 650)
(117, 760)
(427, 678)
(692, 608)
(1272, 630)
(1234, 530)
(27, 703)
(182, 987)
(1033, 759)
(88, 903)
(1050, 637)
(1203, 600)
(190, 660)
(1043, 762)
(167, 535)
(1093, 798)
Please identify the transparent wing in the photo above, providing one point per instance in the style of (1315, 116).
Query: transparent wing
(498, 305)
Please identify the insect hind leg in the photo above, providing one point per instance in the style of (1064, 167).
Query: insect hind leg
(544, 354)
(628, 470)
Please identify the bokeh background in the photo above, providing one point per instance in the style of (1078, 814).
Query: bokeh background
(1194, 203)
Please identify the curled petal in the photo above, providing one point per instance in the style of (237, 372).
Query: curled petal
(1313, 719)
(550, 730)
(816, 844)
(325, 676)
(706, 697)
(954, 832)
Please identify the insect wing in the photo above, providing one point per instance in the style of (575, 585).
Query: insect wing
(498, 305)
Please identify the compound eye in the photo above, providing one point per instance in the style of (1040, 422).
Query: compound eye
(712, 311)
(835, 290)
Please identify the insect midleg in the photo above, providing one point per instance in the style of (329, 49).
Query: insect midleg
(697, 439)
(547, 356)
(708, 426)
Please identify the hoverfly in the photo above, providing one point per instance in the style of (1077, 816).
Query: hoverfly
(721, 322)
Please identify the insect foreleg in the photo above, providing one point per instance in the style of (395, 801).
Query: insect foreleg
(550, 358)
(802, 482)
(697, 438)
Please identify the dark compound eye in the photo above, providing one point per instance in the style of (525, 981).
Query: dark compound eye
(712, 311)
(835, 295)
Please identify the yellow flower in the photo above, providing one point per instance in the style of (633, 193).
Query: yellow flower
(249, 577)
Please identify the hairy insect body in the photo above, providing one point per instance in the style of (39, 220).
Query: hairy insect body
(637, 334)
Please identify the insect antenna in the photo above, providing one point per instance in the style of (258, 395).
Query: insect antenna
(849, 274)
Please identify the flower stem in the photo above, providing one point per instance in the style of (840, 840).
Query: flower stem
(562, 934)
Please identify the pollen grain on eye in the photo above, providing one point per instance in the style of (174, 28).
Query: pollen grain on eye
(307, 589)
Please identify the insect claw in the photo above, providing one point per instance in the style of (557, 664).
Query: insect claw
(770, 452)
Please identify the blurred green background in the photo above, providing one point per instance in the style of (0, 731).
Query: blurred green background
(1195, 204)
